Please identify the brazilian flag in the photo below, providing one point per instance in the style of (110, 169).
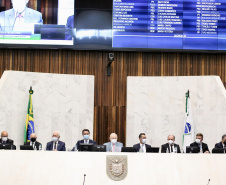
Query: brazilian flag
(29, 125)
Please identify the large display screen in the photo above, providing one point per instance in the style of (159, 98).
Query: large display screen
(170, 24)
(114, 24)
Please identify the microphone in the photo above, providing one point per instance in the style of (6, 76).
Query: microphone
(84, 179)
(208, 182)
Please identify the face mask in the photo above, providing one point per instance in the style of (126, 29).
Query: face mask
(225, 142)
(54, 139)
(4, 138)
(86, 137)
(170, 142)
(143, 141)
(113, 141)
(33, 139)
(197, 141)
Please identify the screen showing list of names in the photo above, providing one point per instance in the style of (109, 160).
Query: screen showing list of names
(170, 24)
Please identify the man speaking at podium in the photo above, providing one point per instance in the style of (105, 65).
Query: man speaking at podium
(19, 18)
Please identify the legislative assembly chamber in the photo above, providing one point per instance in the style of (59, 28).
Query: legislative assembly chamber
(112, 92)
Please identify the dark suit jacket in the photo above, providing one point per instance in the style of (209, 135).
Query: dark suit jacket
(204, 146)
(137, 147)
(165, 146)
(69, 27)
(60, 146)
(37, 144)
(219, 145)
(8, 142)
(82, 141)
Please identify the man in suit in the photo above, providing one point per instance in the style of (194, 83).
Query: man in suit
(19, 18)
(170, 147)
(4, 139)
(86, 139)
(142, 146)
(56, 144)
(222, 143)
(113, 145)
(33, 142)
(203, 147)
(69, 28)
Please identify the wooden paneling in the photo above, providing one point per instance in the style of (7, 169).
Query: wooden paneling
(110, 91)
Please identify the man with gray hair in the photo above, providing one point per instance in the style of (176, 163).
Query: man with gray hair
(113, 145)
(222, 143)
(170, 147)
(56, 144)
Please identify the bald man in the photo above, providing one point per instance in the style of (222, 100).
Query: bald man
(170, 146)
(4, 139)
(113, 145)
(56, 144)
(33, 142)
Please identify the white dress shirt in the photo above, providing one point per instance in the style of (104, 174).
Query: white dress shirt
(170, 151)
(143, 146)
(32, 144)
(86, 141)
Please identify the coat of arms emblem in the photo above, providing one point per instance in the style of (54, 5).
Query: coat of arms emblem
(116, 167)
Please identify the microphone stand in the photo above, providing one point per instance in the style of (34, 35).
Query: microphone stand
(84, 179)
(208, 182)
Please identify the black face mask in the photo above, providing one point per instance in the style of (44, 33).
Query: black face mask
(33, 139)
(225, 142)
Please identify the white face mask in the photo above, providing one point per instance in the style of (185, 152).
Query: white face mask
(170, 142)
(4, 138)
(198, 141)
(54, 139)
(144, 141)
(113, 141)
(86, 137)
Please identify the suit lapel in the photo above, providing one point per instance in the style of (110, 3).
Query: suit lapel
(27, 16)
(11, 20)
(51, 145)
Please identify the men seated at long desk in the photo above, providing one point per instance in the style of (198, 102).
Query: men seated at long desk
(33, 142)
(4, 139)
(85, 140)
(203, 147)
(113, 145)
(141, 147)
(170, 147)
(56, 144)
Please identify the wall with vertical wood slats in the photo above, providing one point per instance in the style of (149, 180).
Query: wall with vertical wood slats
(110, 91)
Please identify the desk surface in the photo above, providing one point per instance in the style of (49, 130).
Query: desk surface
(68, 168)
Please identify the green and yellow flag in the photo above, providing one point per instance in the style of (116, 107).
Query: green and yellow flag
(29, 125)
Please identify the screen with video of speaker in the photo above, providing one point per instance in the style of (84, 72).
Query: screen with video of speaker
(36, 22)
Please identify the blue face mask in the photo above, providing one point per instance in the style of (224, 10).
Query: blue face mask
(86, 137)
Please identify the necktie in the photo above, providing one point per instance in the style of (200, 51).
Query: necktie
(113, 148)
(171, 148)
(55, 146)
